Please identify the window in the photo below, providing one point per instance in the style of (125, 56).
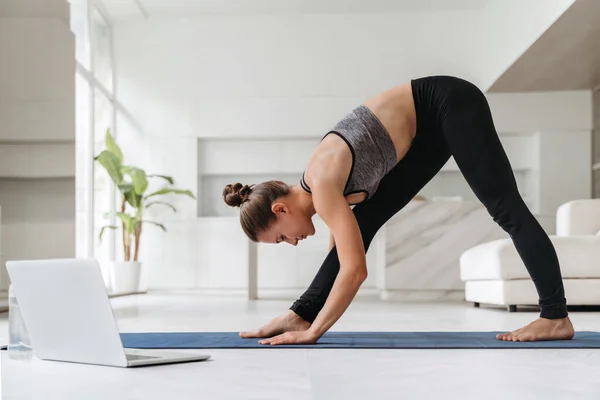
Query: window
(103, 191)
(95, 113)
(80, 27)
(102, 50)
(83, 167)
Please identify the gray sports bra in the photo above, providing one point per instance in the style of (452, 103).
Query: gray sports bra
(373, 152)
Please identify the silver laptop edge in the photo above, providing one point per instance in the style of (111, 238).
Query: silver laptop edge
(69, 317)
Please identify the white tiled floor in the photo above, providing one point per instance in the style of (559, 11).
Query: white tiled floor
(318, 374)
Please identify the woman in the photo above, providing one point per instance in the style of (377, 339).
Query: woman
(378, 158)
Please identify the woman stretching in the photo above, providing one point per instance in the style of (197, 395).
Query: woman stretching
(378, 158)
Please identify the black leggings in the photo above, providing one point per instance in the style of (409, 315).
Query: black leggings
(453, 118)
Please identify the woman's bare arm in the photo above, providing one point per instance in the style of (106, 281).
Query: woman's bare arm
(333, 208)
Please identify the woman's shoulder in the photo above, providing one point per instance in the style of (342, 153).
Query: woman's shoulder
(330, 162)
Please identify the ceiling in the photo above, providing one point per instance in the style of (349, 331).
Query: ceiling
(118, 10)
(565, 57)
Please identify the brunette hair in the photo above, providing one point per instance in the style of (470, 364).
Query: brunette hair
(255, 202)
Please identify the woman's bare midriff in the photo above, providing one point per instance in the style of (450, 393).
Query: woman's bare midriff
(395, 109)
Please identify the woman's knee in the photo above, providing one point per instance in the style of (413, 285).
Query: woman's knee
(510, 213)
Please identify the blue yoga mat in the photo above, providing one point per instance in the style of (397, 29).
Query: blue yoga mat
(354, 340)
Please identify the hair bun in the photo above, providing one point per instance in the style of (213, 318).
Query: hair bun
(235, 195)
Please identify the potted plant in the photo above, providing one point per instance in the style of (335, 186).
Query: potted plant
(132, 183)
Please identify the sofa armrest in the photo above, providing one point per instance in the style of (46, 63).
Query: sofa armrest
(578, 217)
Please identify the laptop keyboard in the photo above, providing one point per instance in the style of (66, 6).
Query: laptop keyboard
(136, 357)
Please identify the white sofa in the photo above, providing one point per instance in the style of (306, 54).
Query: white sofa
(494, 273)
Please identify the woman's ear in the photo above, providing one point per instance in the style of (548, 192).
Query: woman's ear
(277, 208)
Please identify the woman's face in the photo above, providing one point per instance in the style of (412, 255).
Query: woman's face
(291, 225)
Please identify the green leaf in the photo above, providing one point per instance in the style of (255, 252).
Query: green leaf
(166, 178)
(124, 217)
(138, 178)
(125, 187)
(167, 190)
(128, 220)
(112, 146)
(106, 227)
(128, 191)
(161, 202)
(161, 226)
(133, 199)
(111, 163)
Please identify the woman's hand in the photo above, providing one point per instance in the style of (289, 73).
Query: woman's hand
(292, 337)
(290, 321)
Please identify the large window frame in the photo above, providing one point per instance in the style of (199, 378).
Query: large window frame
(90, 135)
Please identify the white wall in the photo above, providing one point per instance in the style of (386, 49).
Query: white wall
(226, 98)
(513, 26)
(481, 37)
(37, 117)
(561, 125)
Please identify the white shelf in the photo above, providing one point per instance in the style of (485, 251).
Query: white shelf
(283, 155)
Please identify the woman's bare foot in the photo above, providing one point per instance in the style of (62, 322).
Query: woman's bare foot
(290, 321)
(541, 329)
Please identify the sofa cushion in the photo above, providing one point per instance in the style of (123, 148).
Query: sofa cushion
(522, 292)
(579, 257)
(578, 217)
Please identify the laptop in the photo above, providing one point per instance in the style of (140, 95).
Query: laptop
(69, 318)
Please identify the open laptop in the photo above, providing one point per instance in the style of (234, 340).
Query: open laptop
(69, 317)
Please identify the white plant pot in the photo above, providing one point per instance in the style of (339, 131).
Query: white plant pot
(124, 276)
